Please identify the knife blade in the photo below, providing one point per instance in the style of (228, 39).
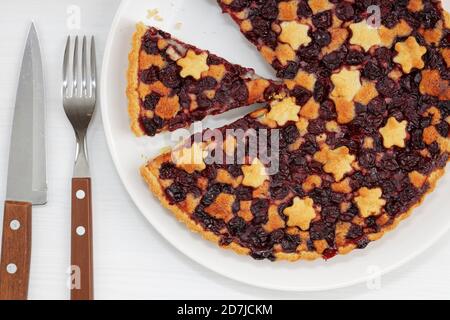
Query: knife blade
(26, 183)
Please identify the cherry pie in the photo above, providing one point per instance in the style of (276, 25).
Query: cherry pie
(363, 131)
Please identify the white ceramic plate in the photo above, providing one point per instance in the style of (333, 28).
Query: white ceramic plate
(203, 24)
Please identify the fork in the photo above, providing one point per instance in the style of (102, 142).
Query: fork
(79, 99)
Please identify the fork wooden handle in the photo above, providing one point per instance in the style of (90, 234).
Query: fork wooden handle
(81, 257)
(16, 251)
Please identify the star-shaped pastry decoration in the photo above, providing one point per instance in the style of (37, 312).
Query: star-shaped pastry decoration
(319, 5)
(447, 19)
(193, 64)
(284, 111)
(295, 34)
(417, 179)
(221, 208)
(394, 133)
(364, 35)
(367, 92)
(337, 162)
(369, 201)
(310, 110)
(410, 54)
(148, 60)
(285, 53)
(274, 222)
(415, 5)
(345, 110)
(347, 84)
(433, 84)
(401, 29)
(301, 213)
(287, 11)
(190, 159)
(254, 174)
(167, 107)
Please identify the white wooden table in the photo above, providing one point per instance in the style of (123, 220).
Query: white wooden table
(131, 260)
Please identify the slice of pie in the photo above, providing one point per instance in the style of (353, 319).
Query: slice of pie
(172, 84)
(361, 138)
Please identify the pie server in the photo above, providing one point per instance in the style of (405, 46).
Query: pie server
(26, 185)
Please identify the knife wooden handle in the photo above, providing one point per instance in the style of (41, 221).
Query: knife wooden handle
(81, 256)
(16, 251)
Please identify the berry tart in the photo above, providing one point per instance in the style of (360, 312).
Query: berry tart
(172, 84)
(363, 131)
(337, 188)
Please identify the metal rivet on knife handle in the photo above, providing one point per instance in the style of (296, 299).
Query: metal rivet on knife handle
(16, 252)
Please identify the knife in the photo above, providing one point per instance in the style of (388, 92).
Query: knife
(27, 184)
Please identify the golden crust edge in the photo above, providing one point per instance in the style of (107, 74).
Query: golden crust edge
(134, 108)
(150, 176)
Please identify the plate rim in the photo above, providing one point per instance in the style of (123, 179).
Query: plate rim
(230, 275)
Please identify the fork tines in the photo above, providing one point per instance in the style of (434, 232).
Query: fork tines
(72, 77)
